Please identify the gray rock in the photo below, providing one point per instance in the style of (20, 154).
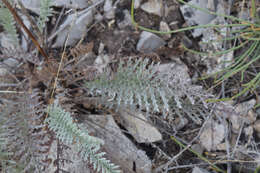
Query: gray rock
(35, 5)
(164, 27)
(120, 150)
(74, 4)
(74, 27)
(197, 17)
(227, 111)
(180, 123)
(257, 127)
(197, 148)
(138, 126)
(186, 41)
(127, 20)
(245, 109)
(149, 42)
(249, 131)
(199, 170)
(212, 135)
(153, 7)
(109, 9)
(137, 3)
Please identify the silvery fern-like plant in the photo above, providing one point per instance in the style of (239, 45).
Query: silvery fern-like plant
(45, 13)
(141, 84)
(133, 84)
(61, 122)
(24, 134)
(7, 20)
(6, 163)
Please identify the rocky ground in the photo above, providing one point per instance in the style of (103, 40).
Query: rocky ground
(83, 38)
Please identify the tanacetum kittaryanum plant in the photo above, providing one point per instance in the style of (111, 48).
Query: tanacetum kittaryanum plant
(138, 83)
(132, 85)
(6, 163)
(45, 13)
(7, 20)
(61, 122)
(25, 139)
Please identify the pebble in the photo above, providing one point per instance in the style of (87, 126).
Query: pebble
(127, 20)
(199, 170)
(109, 9)
(196, 17)
(153, 7)
(257, 127)
(149, 42)
(137, 4)
(164, 27)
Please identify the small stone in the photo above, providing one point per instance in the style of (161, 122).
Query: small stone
(222, 146)
(249, 131)
(194, 16)
(153, 7)
(74, 4)
(257, 111)
(179, 123)
(169, 10)
(251, 116)
(244, 107)
(199, 170)
(75, 27)
(236, 122)
(257, 127)
(11, 62)
(245, 111)
(137, 4)
(212, 135)
(211, 5)
(165, 28)
(127, 20)
(197, 148)
(98, 17)
(149, 42)
(138, 126)
(109, 9)
(186, 42)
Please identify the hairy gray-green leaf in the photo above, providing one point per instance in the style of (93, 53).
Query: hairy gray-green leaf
(141, 84)
(25, 138)
(88, 146)
(45, 13)
(7, 20)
